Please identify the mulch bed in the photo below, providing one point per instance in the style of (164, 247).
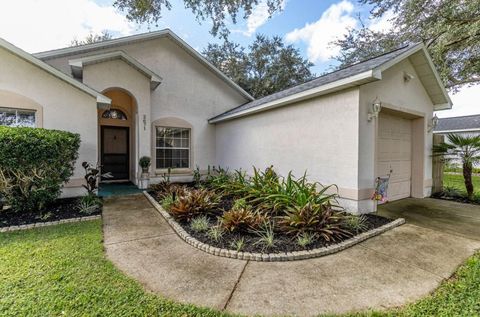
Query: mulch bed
(63, 208)
(283, 242)
(458, 199)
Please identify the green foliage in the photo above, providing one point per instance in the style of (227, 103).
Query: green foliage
(197, 176)
(89, 204)
(266, 236)
(218, 12)
(92, 177)
(356, 223)
(241, 218)
(144, 162)
(267, 66)
(216, 233)
(167, 202)
(200, 224)
(92, 38)
(463, 148)
(192, 203)
(314, 219)
(305, 239)
(35, 164)
(449, 28)
(238, 244)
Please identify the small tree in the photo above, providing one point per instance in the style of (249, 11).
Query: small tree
(463, 148)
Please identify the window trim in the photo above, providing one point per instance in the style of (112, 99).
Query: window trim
(172, 122)
(9, 98)
(173, 147)
(17, 109)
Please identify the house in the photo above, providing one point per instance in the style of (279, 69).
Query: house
(466, 125)
(152, 94)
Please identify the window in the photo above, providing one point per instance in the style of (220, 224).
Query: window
(114, 114)
(17, 117)
(172, 148)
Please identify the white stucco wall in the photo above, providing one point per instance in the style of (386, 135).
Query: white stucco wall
(64, 107)
(189, 91)
(408, 97)
(319, 136)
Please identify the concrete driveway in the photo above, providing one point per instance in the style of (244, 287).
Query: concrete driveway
(397, 267)
(441, 215)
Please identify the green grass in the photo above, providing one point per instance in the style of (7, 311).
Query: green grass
(456, 181)
(62, 271)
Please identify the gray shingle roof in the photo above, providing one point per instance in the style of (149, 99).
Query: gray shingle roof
(458, 123)
(346, 72)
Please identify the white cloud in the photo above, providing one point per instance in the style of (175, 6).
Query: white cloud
(382, 24)
(36, 25)
(259, 17)
(465, 102)
(333, 23)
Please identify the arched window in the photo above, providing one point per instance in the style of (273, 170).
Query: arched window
(114, 114)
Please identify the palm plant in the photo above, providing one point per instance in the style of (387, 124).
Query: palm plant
(465, 148)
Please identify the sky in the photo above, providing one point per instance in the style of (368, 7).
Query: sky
(309, 25)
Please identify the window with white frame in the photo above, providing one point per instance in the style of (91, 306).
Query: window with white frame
(172, 147)
(12, 117)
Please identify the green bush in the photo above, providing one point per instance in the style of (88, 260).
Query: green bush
(34, 165)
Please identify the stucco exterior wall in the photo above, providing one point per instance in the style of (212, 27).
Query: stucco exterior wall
(319, 136)
(408, 97)
(189, 91)
(64, 107)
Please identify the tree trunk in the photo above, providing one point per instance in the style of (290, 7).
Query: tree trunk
(467, 176)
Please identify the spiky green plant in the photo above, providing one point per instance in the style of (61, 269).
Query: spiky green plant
(200, 224)
(266, 236)
(356, 223)
(238, 244)
(305, 239)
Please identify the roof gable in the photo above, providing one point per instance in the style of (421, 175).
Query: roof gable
(102, 101)
(357, 74)
(140, 38)
(77, 65)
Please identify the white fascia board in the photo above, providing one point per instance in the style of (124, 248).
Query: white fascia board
(307, 94)
(456, 131)
(413, 50)
(101, 99)
(78, 64)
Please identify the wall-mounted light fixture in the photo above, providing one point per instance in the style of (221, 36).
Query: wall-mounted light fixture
(407, 77)
(433, 124)
(375, 110)
(144, 122)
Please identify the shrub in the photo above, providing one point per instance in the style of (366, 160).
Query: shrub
(305, 239)
(356, 223)
(241, 219)
(35, 164)
(199, 224)
(89, 204)
(314, 219)
(192, 203)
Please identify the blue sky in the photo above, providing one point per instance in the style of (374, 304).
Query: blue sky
(309, 25)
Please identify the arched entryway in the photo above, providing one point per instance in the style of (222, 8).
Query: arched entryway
(117, 135)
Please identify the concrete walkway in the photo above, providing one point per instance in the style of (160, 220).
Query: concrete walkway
(392, 269)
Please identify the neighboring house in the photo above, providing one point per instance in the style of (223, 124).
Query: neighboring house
(152, 94)
(466, 125)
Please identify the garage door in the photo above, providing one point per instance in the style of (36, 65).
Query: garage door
(394, 153)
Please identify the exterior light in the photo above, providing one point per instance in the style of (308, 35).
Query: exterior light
(376, 107)
(433, 124)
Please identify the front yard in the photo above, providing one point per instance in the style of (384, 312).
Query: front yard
(62, 271)
(456, 181)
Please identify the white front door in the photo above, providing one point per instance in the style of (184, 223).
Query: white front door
(394, 154)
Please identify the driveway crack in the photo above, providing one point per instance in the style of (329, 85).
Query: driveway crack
(235, 286)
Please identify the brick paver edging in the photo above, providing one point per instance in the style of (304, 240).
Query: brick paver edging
(270, 257)
(50, 223)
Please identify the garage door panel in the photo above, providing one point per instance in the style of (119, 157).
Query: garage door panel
(394, 153)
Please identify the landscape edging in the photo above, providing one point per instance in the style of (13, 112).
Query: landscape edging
(49, 223)
(270, 257)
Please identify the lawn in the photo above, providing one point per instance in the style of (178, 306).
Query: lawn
(62, 271)
(456, 181)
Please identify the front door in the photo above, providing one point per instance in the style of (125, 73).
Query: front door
(115, 154)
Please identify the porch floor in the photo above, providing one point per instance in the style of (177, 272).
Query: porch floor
(118, 189)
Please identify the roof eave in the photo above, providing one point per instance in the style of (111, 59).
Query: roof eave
(356, 80)
(101, 99)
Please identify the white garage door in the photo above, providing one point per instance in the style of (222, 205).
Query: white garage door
(394, 153)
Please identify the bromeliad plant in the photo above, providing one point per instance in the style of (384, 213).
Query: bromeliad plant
(192, 203)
